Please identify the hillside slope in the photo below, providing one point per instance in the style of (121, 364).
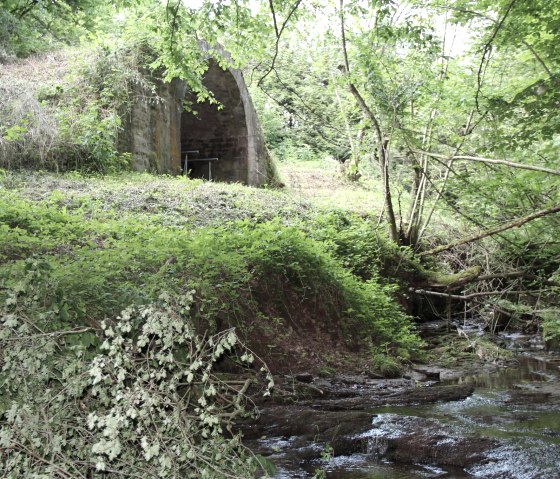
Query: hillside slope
(252, 258)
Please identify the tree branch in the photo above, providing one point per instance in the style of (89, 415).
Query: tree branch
(174, 22)
(278, 34)
(537, 57)
(446, 177)
(271, 5)
(512, 30)
(24, 9)
(382, 143)
(517, 274)
(511, 164)
(357, 95)
(468, 297)
(513, 224)
(487, 47)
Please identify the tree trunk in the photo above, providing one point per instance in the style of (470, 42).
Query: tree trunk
(383, 153)
(382, 143)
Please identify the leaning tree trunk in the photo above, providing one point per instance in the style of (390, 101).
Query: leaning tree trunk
(383, 152)
(382, 143)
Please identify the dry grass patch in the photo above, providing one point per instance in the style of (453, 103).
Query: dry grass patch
(323, 184)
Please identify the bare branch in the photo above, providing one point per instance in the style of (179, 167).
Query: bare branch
(278, 34)
(513, 224)
(511, 164)
(271, 4)
(486, 51)
(518, 274)
(468, 297)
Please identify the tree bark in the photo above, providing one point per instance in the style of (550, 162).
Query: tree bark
(382, 143)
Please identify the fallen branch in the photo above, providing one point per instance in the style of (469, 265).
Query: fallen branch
(54, 334)
(514, 224)
(517, 274)
(492, 161)
(467, 297)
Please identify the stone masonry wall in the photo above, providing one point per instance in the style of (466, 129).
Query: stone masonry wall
(155, 132)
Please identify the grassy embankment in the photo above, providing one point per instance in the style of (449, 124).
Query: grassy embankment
(127, 301)
(299, 283)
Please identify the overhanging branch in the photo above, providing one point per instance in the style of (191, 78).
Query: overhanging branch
(487, 47)
(513, 224)
(511, 164)
(278, 32)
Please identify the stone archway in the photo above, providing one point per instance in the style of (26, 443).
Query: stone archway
(158, 134)
(217, 131)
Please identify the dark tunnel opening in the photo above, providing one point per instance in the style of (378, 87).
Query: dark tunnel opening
(214, 143)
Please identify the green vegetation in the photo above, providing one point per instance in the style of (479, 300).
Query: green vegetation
(386, 364)
(101, 261)
(419, 144)
(72, 119)
(107, 301)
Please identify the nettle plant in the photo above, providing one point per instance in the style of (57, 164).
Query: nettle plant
(146, 402)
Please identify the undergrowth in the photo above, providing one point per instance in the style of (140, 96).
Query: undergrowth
(72, 120)
(101, 264)
(117, 320)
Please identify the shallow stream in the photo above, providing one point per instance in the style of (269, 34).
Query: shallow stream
(517, 409)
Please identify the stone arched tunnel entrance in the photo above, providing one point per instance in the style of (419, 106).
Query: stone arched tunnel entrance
(214, 141)
(223, 138)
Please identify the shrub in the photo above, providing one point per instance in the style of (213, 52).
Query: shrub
(139, 397)
(358, 243)
(73, 119)
(386, 365)
(289, 150)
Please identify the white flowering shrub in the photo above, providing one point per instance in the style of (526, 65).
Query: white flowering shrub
(139, 399)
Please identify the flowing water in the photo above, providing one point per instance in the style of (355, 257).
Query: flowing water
(518, 407)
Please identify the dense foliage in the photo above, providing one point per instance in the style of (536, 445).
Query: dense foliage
(452, 108)
(125, 300)
(116, 320)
